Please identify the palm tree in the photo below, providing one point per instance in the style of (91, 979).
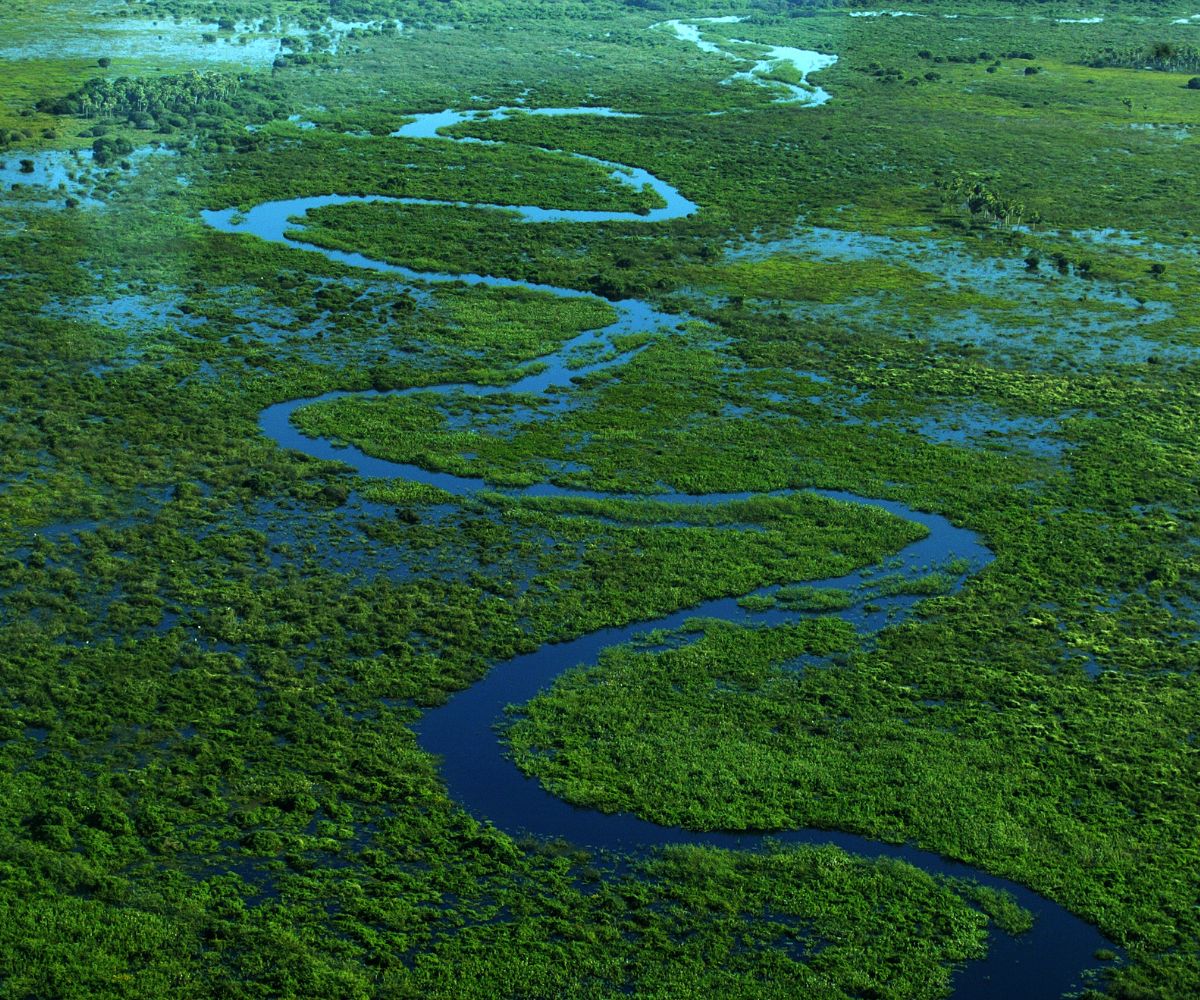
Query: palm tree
(1163, 53)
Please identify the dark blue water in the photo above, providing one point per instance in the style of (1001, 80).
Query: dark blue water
(1042, 963)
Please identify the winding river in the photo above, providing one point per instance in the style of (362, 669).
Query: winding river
(1044, 962)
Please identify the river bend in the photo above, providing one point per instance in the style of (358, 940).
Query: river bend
(1042, 963)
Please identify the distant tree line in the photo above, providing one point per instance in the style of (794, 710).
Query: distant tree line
(1164, 56)
(143, 99)
(786, 6)
(219, 105)
(249, 10)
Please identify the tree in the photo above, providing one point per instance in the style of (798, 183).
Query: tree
(1164, 52)
(975, 194)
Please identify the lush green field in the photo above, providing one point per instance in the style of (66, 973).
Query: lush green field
(213, 650)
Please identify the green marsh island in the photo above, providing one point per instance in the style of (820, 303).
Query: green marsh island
(562, 500)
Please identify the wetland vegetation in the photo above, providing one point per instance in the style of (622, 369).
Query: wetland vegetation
(833, 479)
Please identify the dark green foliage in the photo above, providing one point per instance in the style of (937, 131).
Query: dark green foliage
(104, 151)
(205, 101)
(1167, 57)
(131, 97)
(976, 195)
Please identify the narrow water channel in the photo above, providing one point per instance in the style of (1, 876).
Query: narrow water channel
(1045, 962)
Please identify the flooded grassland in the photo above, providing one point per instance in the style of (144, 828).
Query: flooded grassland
(676, 502)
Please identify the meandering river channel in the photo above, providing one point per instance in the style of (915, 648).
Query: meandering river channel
(1042, 963)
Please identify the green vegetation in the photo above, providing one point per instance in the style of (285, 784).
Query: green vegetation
(1163, 56)
(980, 201)
(215, 650)
(142, 101)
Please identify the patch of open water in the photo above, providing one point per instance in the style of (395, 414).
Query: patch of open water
(765, 66)
(111, 34)
(50, 177)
